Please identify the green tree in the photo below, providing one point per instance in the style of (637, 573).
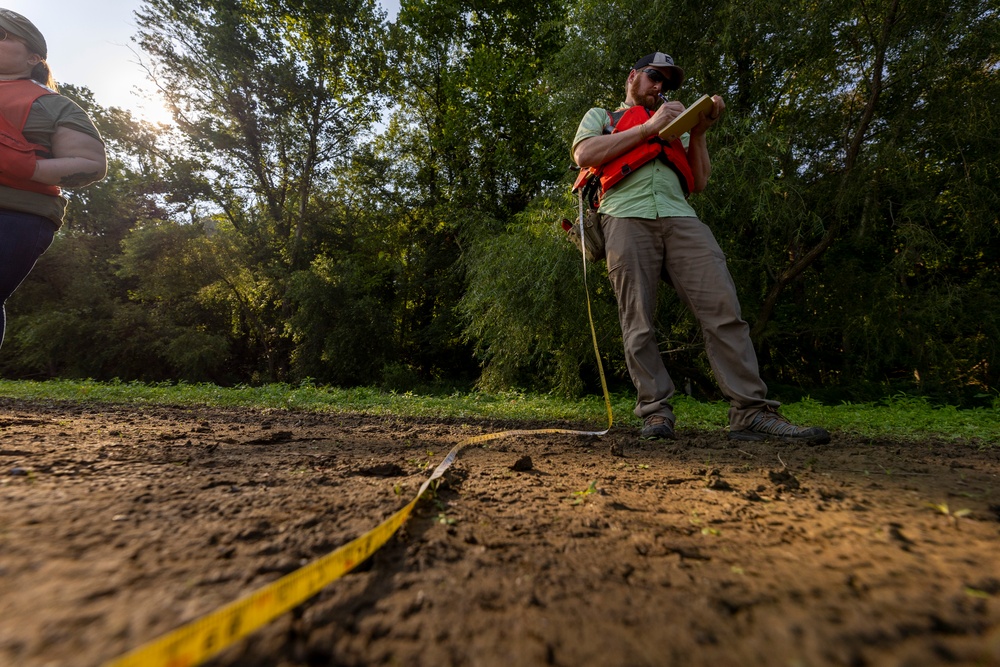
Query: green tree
(299, 223)
(862, 152)
(74, 317)
(470, 145)
(271, 99)
(529, 322)
(850, 173)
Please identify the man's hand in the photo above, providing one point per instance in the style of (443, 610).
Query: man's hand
(595, 151)
(711, 118)
(664, 116)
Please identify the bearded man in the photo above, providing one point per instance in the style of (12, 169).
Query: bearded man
(652, 233)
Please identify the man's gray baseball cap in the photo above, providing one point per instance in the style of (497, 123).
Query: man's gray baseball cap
(663, 61)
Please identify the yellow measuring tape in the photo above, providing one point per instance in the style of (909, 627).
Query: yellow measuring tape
(199, 640)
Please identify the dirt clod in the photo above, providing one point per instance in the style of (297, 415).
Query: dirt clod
(523, 464)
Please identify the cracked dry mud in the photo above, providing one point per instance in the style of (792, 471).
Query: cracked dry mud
(120, 523)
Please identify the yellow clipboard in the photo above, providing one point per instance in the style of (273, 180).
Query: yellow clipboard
(687, 119)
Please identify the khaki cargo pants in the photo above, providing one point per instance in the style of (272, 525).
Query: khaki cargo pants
(684, 252)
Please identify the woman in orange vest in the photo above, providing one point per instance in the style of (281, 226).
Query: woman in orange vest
(46, 141)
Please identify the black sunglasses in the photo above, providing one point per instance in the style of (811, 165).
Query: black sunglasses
(654, 75)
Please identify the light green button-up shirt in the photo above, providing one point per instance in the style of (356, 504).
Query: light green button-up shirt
(651, 191)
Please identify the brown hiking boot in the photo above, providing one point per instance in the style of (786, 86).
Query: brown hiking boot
(657, 427)
(768, 423)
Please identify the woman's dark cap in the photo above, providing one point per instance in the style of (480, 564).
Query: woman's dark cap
(21, 27)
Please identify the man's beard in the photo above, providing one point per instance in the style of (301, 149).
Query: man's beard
(648, 100)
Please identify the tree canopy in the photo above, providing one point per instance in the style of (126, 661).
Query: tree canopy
(352, 200)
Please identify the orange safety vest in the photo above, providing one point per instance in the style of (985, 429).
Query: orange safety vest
(614, 170)
(16, 98)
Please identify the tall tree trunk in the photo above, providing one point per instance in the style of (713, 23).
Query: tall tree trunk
(793, 271)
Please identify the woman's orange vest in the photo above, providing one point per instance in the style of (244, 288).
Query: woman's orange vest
(613, 171)
(16, 98)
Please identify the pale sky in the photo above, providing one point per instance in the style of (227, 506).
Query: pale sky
(90, 45)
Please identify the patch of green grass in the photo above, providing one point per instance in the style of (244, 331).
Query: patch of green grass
(902, 416)
(898, 417)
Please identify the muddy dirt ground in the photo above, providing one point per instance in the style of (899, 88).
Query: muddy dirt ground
(119, 523)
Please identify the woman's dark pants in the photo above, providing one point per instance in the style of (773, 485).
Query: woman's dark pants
(23, 239)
